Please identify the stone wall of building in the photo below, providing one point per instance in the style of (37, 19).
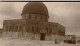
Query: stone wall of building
(32, 30)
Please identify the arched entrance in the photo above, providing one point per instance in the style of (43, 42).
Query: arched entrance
(42, 37)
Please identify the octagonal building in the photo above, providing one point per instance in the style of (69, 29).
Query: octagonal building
(34, 24)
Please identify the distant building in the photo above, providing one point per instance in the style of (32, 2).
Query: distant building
(1, 32)
(34, 24)
(78, 39)
(70, 39)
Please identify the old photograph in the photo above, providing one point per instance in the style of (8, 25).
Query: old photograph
(39, 23)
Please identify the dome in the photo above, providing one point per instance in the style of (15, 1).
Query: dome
(35, 8)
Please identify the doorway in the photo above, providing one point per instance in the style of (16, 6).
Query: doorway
(42, 36)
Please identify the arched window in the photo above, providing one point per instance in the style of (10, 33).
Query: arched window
(29, 16)
(45, 18)
(20, 28)
(6, 27)
(33, 29)
(16, 28)
(12, 28)
(41, 18)
(35, 17)
(50, 30)
(9, 28)
(37, 29)
(47, 30)
(28, 29)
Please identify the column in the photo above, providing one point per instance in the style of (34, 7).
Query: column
(7, 31)
(18, 31)
(30, 33)
(12, 30)
(23, 29)
(4, 31)
(15, 31)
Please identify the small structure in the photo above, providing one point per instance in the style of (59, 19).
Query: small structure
(71, 39)
(77, 39)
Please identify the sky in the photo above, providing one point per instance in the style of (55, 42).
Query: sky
(64, 13)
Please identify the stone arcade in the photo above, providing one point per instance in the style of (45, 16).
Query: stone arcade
(34, 24)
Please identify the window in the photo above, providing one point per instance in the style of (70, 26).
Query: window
(35, 17)
(28, 29)
(12, 27)
(41, 17)
(37, 29)
(6, 27)
(29, 16)
(50, 30)
(33, 29)
(45, 18)
(47, 30)
(20, 28)
(16, 28)
(9, 28)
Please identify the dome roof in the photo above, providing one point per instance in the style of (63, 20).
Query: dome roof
(35, 8)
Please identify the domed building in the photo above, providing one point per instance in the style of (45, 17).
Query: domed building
(34, 24)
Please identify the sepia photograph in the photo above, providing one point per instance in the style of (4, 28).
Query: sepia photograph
(39, 23)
